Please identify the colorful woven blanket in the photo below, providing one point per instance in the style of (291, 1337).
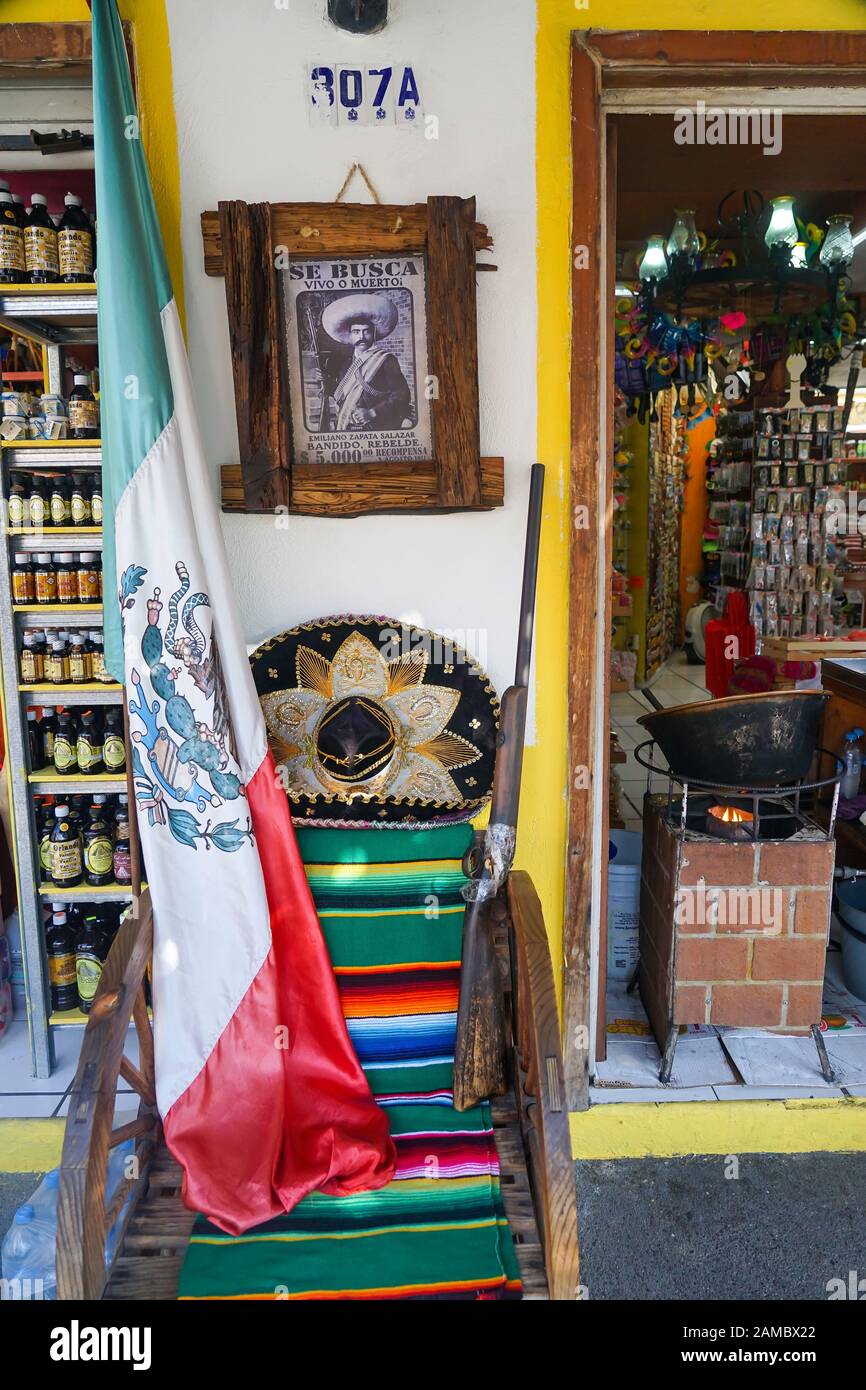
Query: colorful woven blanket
(392, 913)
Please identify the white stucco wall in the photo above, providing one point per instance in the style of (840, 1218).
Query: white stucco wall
(239, 91)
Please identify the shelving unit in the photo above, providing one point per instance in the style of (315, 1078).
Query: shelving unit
(56, 317)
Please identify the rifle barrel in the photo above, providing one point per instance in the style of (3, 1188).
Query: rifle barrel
(530, 574)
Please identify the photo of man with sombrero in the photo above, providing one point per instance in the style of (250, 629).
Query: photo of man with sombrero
(364, 385)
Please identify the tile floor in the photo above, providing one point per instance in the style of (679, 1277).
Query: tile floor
(23, 1096)
(676, 684)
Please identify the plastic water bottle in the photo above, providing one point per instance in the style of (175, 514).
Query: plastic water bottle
(44, 1199)
(28, 1257)
(115, 1176)
(852, 758)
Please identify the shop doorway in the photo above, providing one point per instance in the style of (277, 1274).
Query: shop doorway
(651, 558)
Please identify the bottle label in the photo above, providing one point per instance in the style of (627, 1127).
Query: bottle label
(40, 249)
(80, 509)
(88, 586)
(22, 586)
(38, 511)
(89, 753)
(16, 509)
(61, 970)
(67, 586)
(96, 504)
(113, 752)
(29, 671)
(64, 753)
(83, 415)
(122, 866)
(45, 854)
(46, 586)
(88, 973)
(11, 247)
(98, 855)
(75, 251)
(60, 512)
(78, 673)
(65, 860)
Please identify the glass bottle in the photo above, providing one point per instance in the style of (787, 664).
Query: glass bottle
(59, 505)
(57, 667)
(46, 825)
(18, 509)
(67, 577)
(40, 244)
(80, 501)
(66, 857)
(37, 504)
(49, 729)
(96, 499)
(79, 661)
(23, 582)
(44, 578)
(65, 741)
(83, 409)
(60, 948)
(35, 742)
(90, 951)
(75, 243)
(89, 743)
(13, 269)
(89, 577)
(98, 853)
(122, 855)
(113, 746)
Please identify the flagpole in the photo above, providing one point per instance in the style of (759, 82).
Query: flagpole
(134, 842)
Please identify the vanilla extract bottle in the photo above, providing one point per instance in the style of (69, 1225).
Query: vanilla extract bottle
(66, 856)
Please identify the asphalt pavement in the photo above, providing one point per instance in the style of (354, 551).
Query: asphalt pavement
(758, 1226)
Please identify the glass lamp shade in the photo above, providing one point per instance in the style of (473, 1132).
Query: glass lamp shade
(798, 255)
(782, 230)
(654, 265)
(838, 248)
(683, 239)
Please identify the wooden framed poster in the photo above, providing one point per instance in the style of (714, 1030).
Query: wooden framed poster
(354, 356)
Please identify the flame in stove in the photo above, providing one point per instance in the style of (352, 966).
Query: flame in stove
(731, 815)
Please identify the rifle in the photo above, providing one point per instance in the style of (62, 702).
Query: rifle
(479, 1055)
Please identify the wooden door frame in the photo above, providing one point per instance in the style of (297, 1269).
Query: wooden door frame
(613, 68)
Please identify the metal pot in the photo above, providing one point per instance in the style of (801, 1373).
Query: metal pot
(762, 740)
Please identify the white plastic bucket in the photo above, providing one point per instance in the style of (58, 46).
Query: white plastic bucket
(623, 903)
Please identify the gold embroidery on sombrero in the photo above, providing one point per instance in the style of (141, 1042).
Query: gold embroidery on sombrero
(412, 759)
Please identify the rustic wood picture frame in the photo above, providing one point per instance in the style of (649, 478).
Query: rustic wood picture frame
(240, 242)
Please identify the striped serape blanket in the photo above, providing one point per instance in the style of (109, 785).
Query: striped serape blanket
(392, 913)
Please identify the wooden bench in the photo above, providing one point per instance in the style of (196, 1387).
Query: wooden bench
(530, 1126)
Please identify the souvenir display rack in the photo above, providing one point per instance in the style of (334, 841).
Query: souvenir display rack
(729, 491)
(666, 480)
(797, 552)
(55, 317)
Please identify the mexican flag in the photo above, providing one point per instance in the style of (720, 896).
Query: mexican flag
(261, 1095)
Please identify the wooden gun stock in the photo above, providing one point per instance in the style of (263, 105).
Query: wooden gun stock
(479, 1049)
(479, 1054)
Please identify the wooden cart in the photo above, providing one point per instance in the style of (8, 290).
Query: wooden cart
(530, 1124)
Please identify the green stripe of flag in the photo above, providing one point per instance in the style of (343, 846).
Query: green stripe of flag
(136, 397)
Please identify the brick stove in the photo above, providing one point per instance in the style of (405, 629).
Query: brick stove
(733, 933)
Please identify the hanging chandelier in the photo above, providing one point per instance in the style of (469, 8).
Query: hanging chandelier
(775, 253)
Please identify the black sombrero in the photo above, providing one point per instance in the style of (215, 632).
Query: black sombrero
(370, 719)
